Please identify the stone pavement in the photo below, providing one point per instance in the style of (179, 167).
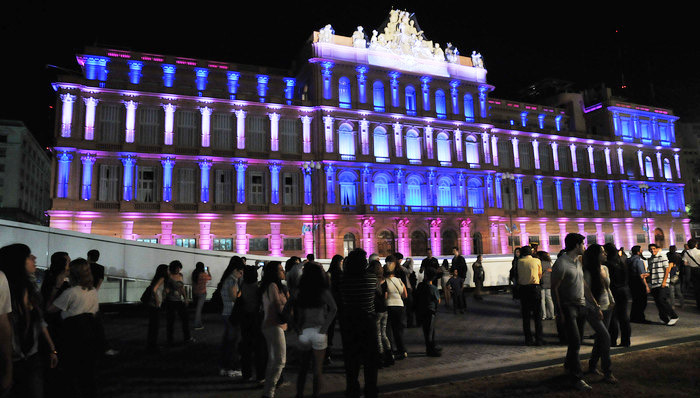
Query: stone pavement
(486, 340)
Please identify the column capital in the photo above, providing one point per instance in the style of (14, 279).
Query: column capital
(306, 119)
(275, 117)
(88, 159)
(67, 98)
(205, 111)
(240, 113)
(91, 101)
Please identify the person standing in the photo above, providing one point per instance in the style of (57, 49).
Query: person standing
(454, 288)
(659, 268)
(568, 291)
(546, 284)
(513, 275)
(98, 277)
(396, 293)
(446, 276)
(460, 264)
(176, 303)
(638, 285)
(358, 324)
(674, 277)
(427, 300)
(252, 346)
(619, 286)
(5, 335)
(273, 327)
(200, 278)
(230, 364)
(529, 274)
(157, 287)
(335, 272)
(692, 261)
(599, 303)
(479, 276)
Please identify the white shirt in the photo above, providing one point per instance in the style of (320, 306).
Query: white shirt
(691, 254)
(5, 301)
(394, 288)
(77, 300)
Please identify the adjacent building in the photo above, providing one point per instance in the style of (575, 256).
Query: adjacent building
(25, 175)
(381, 140)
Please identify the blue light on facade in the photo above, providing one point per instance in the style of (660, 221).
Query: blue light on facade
(129, 163)
(425, 86)
(205, 167)
(394, 76)
(262, 86)
(201, 75)
(135, 68)
(327, 73)
(410, 100)
(540, 119)
(378, 96)
(96, 68)
(289, 84)
(523, 119)
(168, 164)
(168, 75)
(362, 83)
(344, 93)
(64, 161)
(468, 107)
(557, 121)
(440, 105)
(233, 78)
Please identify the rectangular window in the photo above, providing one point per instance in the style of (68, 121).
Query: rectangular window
(292, 244)
(186, 186)
(109, 183)
(221, 131)
(290, 189)
(534, 239)
(191, 243)
(146, 189)
(149, 126)
(564, 155)
(256, 133)
(223, 244)
(641, 238)
(609, 238)
(545, 157)
(186, 129)
(222, 189)
(585, 197)
(566, 191)
(554, 240)
(526, 161)
(257, 244)
(548, 198)
(290, 137)
(513, 240)
(528, 198)
(110, 122)
(505, 158)
(592, 239)
(257, 189)
(147, 240)
(680, 238)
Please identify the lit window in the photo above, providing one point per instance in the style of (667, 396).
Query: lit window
(468, 107)
(378, 95)
(440, 105)
(344, 93)
(410, 100)
(381, 143)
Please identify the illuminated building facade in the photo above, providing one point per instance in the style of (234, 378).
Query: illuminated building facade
(382, 141)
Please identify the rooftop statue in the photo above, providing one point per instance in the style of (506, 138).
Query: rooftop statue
(438, 54)
(358, 38)
(452, 54)
(325, 35)
(477, 60)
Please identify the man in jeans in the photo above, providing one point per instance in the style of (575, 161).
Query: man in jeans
(659, 268)
(568, 290)
(691, 257)
(638, 286)
(529, 274)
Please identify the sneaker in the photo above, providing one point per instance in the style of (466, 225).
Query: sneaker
(111, 352)
(594, 371)
(610, 379)
(672, 321)
(234, 374)
(581, 385)
(199, 328)
(190, 340)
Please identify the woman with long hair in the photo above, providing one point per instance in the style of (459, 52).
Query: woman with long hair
(446, 274)
(19, 264)
(157, 286)
(229, 287)
(274, 298)
(619, 285)
(253, 351)
(335, 272)
(200, 278)
(599, 304)
(385, 356)
(315, 309)
(546, 283)
(514, 272)
(396, 293)
(79, 333)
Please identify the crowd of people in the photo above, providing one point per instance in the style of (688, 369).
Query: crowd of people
(594, 285)
(51, 333)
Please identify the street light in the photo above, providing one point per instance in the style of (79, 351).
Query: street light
(644, 189)
(310, 167)
(510, 177)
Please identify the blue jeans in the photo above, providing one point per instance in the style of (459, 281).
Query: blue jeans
(571, 314)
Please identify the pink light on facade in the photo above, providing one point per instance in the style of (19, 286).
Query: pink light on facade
(275, 239)
(241, 238)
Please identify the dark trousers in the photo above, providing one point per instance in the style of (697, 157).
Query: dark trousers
(458, 302)
(620, 321)
(695, 281)
(531, 309)
(410, 313)
(479, 284)
(639, 301)
(27, 378)
(172, 308)
(571, 315)
(153, 326)
(359, 334)
(428, 325)
(252, 348)
(78, 361)
(397, 324)
(230, 358)
(663, 304)
(101, 335)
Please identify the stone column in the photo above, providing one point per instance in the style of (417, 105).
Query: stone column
(504, 239)
(631, 238)
(205, 235)
(328, 128)
(398, 140)
(617, 236)
(524, 236)
(90, 107)
(494, 149)
(241, 238)
(205, 168)
(404, 242)
(544, 237)
(574, 161)
(166, 232)
(275, 239)
(130, 120)
(206, 125)
(330, 239)
(555, 155)
(306, 133)
(466, 236)
(494, 238)
(368, 234)
(128, 230)
(599, 234)
(582, 231)
(364, 136)
(274, 131)
(169, 123)
(275, 182)
(88, 162)
(562, 234)
(429, 141)
(435, 237)
(67, 114)
(240, 128)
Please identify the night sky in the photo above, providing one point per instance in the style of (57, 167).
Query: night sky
(587, 45)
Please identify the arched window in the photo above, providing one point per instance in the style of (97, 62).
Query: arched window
(413, 145)
(381, 143)
(440, 105)
(410, 100)
(348, 188)
(472, 150)
(648, 167)
(468, 107)
(381, 194)
(378, 90)
(414, 196)
(475, 199)
(348, 243)
(346, 139)
(667, 170)
(444, 193)
(344, 93)
(443, 148)
(385, 243)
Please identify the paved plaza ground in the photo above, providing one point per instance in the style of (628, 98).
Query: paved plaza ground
(485, 341)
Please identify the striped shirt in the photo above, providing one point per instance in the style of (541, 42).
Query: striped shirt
(357, 292)
(657, 269)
